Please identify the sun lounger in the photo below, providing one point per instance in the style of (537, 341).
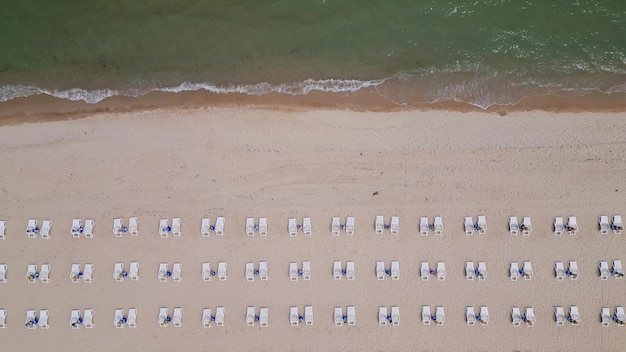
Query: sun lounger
(133, 226)
(294, 316)
(604, 270)
(88, 273)
(572, 226)
(45, 229)
(338, 316)
(219, 230)
(250, 316)
(604, 224)
(529, 317)
(249, 272)
(221, 271)
(482, 225)
(219, 316)
(337, 273)
(559, 228)
(31, 319)
(3, 226)
(162, 273)
(395, 270)
(514, 271)
(87, 319)
(263, 317)
(43, 319)
(426, 317)
(250, 227)
(31, 273)
(293, 271)
(263, 272)
(306, 226)
(438, 226)
(620, 317)
(440, 317)
(205, 227)
(3, 273)
(573, 270)
(424, 228)
(306, 270)
(574, 315)
(75, 273)
(164, 228)
(350, 225)
(117, 227)
(484, 315)
(441, 271)
(559, 316)
(163, 318)
(292, 228)
(75, 319)
(382, 316)
(177, 271)
(379, 225)
(618, 270)
(118, 272)
(263, 226)
(516, 316)
(380, 270)
(351, 313)
(424, 271)
(88, 229)
(559, 271)
(308, 315)
(350, 273)
(527, 226)
(44, 275)
(31, 228)
(394, 227)
(134, 271)
(334, 226)
(469, 270)
(528, 271)
(206, 272)
(75, 230)
(132, 318)
(468, 224)
(118, 318)
(470, 316)
(176, 227)
(605, 317)
(513, 226)
(177, 317)
(206, 317)
(482, 271)
(395, 316)
(617, 225)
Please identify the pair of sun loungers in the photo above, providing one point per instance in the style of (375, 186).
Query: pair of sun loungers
(207, 273)
(119, 274)
(305, 271)
(526, 272)
(526, 226)
(439, 318)
(436, 226)
(471, 318)
(349, 318)
(560, 318)
(32, 230)
(32, 320)
(119, 229)
(393, 271)
(31, 273)
(528, 317)
(440, 272)
(262, 318)
(176, 319)
(251, 228)
(165, 229)
(338, 271)
(480, 272)
(559, 228)
(163, 274)
(76, 274)
(572, 270)
(336, 227)
(480, 226)
(617, 271)
(619, 317)
(119, 319)
(208, 319)
(384, 318)
(295, 317)
(293, 228)
(616, 225)
(76, 320)
(218, 228)
(251, 272)
(78, 229)
(393, 226)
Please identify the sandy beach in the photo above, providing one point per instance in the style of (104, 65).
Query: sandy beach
(241, 162)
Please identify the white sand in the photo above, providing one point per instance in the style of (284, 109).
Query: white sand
(243, 162)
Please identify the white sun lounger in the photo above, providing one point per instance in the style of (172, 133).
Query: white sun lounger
(528, 271)
(618, 270)
(206, 271)
(350, 273)
(221, 271)
(43, 319)
(163, 228)
(206, 317)
(117, 227)
(468, 224)
(380, 270)
(559, 316)
(176, 227)
(441, 271)
(263, 317)
(118, 318)
(424, 228)
(604, 270)
(514, 271)
(132, 318)
(424, 271)
(573, 270)
(162, 320)
(559, 271)
(294, 317)
(31, 273)
(250, 316)
(337, 273)
(438, 226)
(529, 315)
(559, 228)
(219, 316)
(74, 273)
(292, 228)
(44, 275)
(572, 226)
(395, 270)
(75, 319)
(45, 229)
(617, 224)
(440, 316)
(306, 270)
(3, 226)
(263, 272)
(605, 317)
(604, 224)
(620, 317)
(219, 230)
(484, 315)
(134, 271)
(308, 315)
(574, 315)
(293, 271)
(482, 271)
(335, 227)
(482, 225)
(470, 316)
(87, 319)
(426, 317)
(527, 226)
(250, 227)
(177, 271)
(470, 272)
(516, 316)
(162, 273)
(88, 229)
(249, 272)
(338, 316)
(382, 316)
(133, 226)
(379, 225)
(350, 225)
(351, 313)
(117, 272)
(263, 226)
(88, 273)
(30, 319)
(306, 226)
(394, 227)
(205, 227)
(513, 226)
(177, 317)
(31, 228)
(395, 315)
(75, 230)
(3, 273)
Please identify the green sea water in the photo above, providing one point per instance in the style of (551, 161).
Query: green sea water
(481, 51)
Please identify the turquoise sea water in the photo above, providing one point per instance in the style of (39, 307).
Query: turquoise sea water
(482, 52)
